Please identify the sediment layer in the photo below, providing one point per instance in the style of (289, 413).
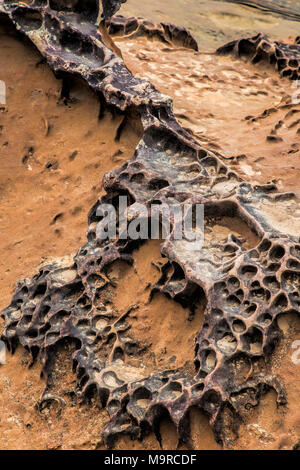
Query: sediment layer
(271, 7)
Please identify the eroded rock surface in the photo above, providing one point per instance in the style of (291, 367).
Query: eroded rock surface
(165, 32)
(110, 7)
(246, 281)
(213, 23)
(285, 57)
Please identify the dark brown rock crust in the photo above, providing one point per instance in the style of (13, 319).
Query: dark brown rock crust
(284, 57)
(246, 289)
(110, 7)
(164, 32)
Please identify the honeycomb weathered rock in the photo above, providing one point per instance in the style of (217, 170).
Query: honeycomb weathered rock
(165, 32)
(285, 57)
(247, 286)
(110, 7)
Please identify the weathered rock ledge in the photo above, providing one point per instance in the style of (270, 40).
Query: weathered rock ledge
(246, 288)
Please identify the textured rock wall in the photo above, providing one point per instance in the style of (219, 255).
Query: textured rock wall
(284, 57)
(246, 286)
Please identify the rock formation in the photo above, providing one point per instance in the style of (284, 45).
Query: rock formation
(246, 286)
(285, 57)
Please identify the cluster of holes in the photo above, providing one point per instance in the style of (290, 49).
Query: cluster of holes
(74, 42)
(28, 19)
(286, 58)
(88, 9)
